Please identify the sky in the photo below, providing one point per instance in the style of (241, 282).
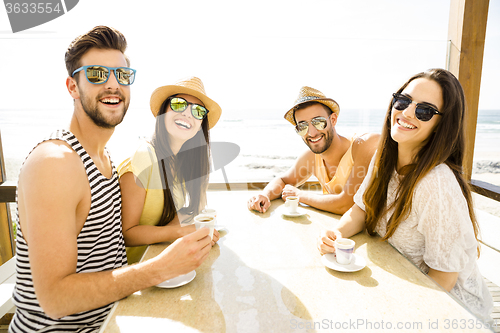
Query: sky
(249, 54)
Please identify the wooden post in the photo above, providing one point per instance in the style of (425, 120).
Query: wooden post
(6, 239)
(466, 33)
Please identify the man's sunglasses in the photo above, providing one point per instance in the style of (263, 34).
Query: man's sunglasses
(98, 74)
(179, 104)
(423, 112)
(303, 127)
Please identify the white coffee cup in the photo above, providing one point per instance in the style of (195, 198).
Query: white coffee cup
(344, 248)
(205, 221)
(292, 203)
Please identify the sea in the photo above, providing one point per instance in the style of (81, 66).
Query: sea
(267, 144)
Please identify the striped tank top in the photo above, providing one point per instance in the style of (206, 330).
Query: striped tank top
(100, 247)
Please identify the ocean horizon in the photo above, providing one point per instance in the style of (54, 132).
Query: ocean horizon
(268, 143)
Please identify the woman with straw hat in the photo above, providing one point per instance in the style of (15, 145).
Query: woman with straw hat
(164, 182)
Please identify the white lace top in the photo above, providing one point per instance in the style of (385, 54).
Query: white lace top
(438, 233)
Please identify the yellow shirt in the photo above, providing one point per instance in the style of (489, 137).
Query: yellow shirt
(336, 184)
(144, 165)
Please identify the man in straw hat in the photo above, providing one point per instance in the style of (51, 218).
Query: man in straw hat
(339, 163)
(71, 262)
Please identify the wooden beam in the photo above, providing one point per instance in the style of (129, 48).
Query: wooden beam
(8, 191)
(486, 189)
(466, 33)
(6, 237)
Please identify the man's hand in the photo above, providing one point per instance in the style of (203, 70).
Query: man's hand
(290, 191)
(259, 203)
(184, 255)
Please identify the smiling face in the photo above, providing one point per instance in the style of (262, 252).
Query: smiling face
(317, 140)
(182, 126)
(409, 132)
(105, 104)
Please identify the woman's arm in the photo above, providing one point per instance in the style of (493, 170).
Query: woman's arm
(352, 222)
(133, 197)
(447, 280)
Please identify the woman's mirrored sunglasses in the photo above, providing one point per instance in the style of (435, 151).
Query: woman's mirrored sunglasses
(423, 112)
(179, 104)
(98, 74)
(303, 127)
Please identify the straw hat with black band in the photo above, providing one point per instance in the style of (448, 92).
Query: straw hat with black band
(189, 86)
(308, 94)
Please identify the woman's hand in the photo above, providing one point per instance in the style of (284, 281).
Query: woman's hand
(326, 241)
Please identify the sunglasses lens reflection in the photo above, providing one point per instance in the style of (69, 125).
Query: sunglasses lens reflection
(198, 111)
(97, 74)
(319, 123)
(401, 103)
(424, 114)
(178, 104)
(125, 76)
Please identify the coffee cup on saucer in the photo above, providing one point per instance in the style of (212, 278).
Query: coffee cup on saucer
(292, 203)
(344, 249)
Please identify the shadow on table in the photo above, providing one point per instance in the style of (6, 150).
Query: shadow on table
(226, 295)
(251, 300)
(377, 251)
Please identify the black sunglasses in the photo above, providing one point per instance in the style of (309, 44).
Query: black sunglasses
(303, 127)
(423, 112)
(179, 104)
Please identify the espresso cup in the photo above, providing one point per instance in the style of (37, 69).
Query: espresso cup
(292, 203)
(344, 249)
(205, 221)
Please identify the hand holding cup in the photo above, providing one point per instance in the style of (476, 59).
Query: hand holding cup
(326, 241)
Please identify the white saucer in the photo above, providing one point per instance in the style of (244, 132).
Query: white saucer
(178, 281)
(357, 263)
(300, 212)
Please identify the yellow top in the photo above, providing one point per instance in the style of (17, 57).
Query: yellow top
(336, 184)
(144, 165)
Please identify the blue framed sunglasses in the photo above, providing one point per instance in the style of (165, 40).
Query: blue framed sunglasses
(99, 74)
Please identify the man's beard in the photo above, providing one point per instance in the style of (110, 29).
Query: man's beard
(91, 108)
(328, 138)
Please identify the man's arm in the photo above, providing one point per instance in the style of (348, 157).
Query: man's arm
(54, 200)
(295, 176)
(362, 151)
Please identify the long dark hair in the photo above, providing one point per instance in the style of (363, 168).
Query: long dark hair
(445, 145)
(190, 167)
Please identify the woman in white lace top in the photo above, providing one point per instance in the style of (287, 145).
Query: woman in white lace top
(415, 195)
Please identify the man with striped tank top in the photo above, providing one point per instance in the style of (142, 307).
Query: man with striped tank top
(71, 261)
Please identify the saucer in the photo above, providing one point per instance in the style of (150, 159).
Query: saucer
(300, 212)
(357, 263)
(178, 281)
